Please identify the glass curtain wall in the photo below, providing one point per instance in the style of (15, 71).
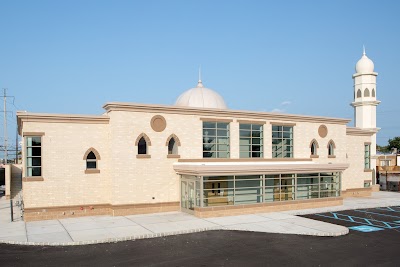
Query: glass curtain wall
(282, 141)
(215, 140)
(251, 140)
(249, 189)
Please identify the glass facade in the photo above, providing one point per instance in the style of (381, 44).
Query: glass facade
(250, 189)
(282, 141)
(251, 140)
(216, 140)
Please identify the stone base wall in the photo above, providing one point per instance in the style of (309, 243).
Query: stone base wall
(122, 210)
(53, 213)
(375, 188)
(220, 211)
(357, 192)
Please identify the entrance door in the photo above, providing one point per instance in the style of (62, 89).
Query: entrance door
(187, 196)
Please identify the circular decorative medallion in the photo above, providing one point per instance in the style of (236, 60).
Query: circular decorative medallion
(322, 131)
(158, 123)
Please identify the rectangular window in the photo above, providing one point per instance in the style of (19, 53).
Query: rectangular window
(282, 141)
(33, 156)
(216, 140)
(367, 156)
(385, 163)
(251, 140)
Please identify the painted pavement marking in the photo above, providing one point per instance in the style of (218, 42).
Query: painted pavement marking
(392, 209)
(365, 228)
(381, 214)
(361, 220)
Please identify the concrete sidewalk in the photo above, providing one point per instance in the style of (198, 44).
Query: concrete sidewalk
(101, 229)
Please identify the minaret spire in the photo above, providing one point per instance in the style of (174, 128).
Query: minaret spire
(199, 83)
(200, 73)
(364, 50)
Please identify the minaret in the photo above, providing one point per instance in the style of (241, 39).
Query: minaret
(365, 94)
(365, 102)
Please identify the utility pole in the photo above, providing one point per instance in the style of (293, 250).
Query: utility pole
(16, 146)
(5, 125)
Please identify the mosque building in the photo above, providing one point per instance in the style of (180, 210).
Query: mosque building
(197, 156)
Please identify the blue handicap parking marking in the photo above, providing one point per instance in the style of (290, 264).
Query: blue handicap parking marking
(365, 228)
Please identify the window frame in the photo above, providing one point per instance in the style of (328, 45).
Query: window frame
(331, 149)
(142, 146)
(89, 160)
(148, 144)
(176, 145)
(367, 156)
(96, 160)
(314, 149)
(216, 139)
(251, 145)
(282, 132)
(35, 178)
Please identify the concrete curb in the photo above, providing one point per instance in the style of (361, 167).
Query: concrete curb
(148, 236)
(334, 209)
(110, 240)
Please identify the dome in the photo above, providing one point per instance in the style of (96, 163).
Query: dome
(201, 97)
(364, 65)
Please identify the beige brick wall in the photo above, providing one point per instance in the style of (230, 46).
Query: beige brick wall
(126, 179)
(354, 176)
(140, 180)
(305, 132)
(65, 183)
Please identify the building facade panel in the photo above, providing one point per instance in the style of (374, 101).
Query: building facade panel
(63, 168)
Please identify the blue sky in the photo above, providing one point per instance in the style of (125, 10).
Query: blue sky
(294, 56)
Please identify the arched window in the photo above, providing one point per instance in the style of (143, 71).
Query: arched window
(172, 144)
(172, 147)
(358, 93)
(92, 157)
(313, 148)
(91, 161)
(143, 143)
(373, 92)
(331, 149)
(366, 92)
(142, 146)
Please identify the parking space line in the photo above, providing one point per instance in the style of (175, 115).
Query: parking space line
(364, 221)
(389, 209)
(378, 213)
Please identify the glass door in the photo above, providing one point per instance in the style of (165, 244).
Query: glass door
(187, 196)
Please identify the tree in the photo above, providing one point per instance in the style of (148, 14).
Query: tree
(395, 142)
(382, 149)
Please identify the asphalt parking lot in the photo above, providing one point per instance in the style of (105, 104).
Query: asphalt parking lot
(235, 248)
(374, 220)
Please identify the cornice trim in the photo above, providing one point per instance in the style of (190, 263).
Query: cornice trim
(59, 118)
(365, 103)
(205, 169)
(361, 132)
(368, 73)
(218, 113)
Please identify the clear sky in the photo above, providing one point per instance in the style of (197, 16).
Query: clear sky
(290, 56)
